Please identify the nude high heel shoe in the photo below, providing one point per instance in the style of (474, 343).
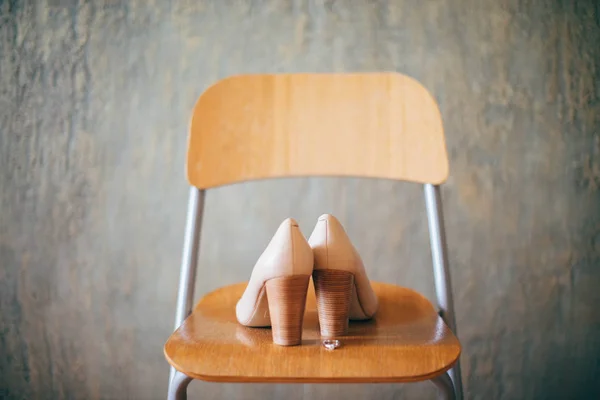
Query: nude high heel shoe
(276, 293)
(342, 288)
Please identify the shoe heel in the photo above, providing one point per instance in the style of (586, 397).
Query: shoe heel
(333, 290)
(287, 300)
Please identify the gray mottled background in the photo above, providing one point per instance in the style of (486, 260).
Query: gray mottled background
(95, 98)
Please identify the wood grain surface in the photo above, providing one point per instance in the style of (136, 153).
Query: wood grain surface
(407, 341)
(95, 100)
(377, 125)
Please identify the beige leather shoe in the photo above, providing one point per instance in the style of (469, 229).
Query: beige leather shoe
(276, 293)
(342, 287)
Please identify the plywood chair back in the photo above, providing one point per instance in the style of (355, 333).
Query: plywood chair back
(379, 125)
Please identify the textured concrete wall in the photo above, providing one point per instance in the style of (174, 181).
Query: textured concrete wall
(94, 102)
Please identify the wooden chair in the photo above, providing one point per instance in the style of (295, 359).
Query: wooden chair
(381, 125)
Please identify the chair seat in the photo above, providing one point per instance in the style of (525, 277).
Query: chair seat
(406, 341)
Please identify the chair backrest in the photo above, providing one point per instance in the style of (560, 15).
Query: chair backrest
(380, 125)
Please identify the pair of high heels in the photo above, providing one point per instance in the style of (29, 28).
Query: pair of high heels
(276, 293)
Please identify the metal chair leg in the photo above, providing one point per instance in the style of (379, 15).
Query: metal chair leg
(178, 386)
(441, 270)
(445, 386)
(189, 259)
(455, 375)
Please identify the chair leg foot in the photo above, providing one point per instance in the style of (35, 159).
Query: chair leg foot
(445, 386)
(178, 386)
(455, 375)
